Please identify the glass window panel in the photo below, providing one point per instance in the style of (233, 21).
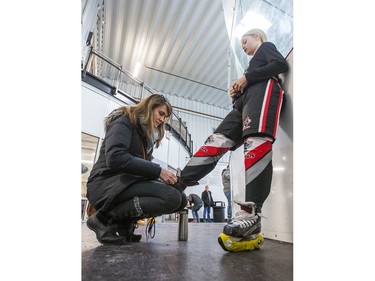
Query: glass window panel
(89, 147)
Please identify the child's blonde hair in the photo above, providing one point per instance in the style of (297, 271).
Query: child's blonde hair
(261, 33)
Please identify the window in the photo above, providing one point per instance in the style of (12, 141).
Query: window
(89, 146)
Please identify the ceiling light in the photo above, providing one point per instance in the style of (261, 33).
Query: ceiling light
(136, 69)
(251, 20)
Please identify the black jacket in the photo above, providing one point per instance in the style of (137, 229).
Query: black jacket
(122, 162)
(206, 200)
(195, 200)
(267, 63)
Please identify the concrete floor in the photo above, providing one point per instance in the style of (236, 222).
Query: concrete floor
(199, 258)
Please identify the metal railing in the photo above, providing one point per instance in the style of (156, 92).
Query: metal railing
(109, 76)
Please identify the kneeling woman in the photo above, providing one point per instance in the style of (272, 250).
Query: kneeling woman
(124, 185)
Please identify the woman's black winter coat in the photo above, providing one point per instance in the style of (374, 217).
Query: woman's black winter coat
(122, 162)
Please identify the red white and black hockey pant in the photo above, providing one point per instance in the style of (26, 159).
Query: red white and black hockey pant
(253, 122)
(258, 164)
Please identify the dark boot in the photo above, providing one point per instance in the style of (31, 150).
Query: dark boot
(105, 232)
(126, 214)
(126, 230)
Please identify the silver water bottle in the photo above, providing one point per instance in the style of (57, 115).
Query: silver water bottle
(183, 225)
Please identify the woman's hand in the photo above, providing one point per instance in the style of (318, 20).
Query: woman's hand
(168, 177)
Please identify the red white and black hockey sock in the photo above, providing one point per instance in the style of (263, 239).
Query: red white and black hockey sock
(258, 169)
(206, 158)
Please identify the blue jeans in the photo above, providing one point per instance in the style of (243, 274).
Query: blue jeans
(206, 211)
(228, 194)
(195, 210)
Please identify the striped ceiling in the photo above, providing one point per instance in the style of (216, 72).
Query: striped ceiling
(181, 45)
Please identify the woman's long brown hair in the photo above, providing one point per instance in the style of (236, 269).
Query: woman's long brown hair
(143, 111)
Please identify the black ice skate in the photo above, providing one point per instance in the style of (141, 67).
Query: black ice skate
(246, 222)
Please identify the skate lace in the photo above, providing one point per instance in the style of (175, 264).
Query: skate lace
(241, 215)
(150, 228)
(246, 223)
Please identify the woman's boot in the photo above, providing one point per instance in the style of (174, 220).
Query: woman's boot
(105, 231)
(126, 215)
(126, 230)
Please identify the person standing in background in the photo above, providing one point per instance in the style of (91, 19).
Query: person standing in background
(225, 177)
(208, 202)
(195, 203)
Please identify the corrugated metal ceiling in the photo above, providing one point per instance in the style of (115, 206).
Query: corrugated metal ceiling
(171, 40)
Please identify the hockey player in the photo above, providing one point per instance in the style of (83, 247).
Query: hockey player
(257, 100)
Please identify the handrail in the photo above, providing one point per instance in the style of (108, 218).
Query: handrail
(124, 86)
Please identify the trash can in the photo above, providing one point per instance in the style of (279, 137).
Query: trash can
(219, 211)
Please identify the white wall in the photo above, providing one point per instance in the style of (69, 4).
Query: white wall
(95, 106)
(171, 152)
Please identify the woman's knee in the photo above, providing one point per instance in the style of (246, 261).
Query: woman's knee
(182, 204)
(173, 198)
